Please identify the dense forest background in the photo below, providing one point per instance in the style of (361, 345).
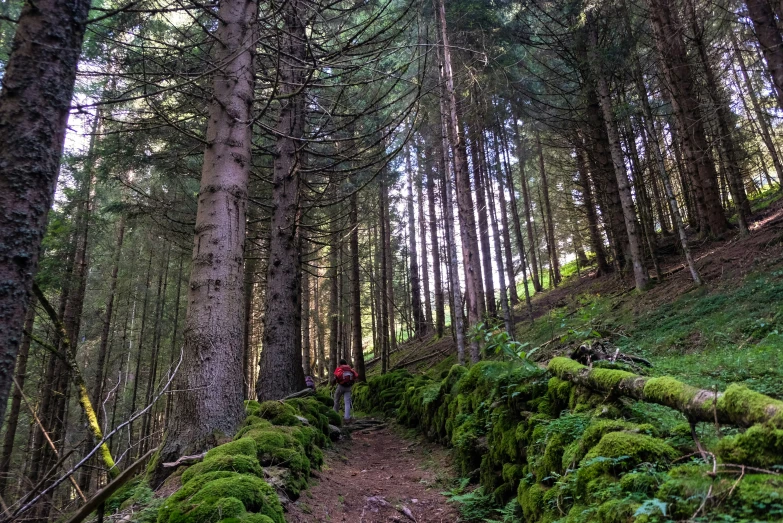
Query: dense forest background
(250, 191)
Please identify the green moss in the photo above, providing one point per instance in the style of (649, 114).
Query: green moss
(751, 407)
(640, 482)
(608, 379)
(616, 511)
(239, 463)
(242, 446)
(214, 496)
(759, 446)
(637, 447)
(531, 499)
(562, 367)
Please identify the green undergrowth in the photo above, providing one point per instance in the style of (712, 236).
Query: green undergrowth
(708, 337)
(272, 455)
(535, 448)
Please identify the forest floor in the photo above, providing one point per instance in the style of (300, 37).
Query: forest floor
(382, 475)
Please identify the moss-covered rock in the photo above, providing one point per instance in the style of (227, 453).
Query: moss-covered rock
(760, 446)
(214, 496)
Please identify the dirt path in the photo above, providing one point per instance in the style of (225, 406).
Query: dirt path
(374, 477)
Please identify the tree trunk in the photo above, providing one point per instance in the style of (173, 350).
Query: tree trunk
(334, 298)
(768, 34)
(528, 213)
(470, 251)
(725, 127)
(629, 213)
(550, 223)
(356, 303)
(508, 318)
(760, 116)
(36, 94)
(281, 360)
(480, 174)
(383, 308)
(419, 320)
(107, 319)
(389, 267)
(247, 361)
(451, 242)
(440, 311)
(211, 395)
(596, 241)
(16, 401)
(679, 77)
(425, 265)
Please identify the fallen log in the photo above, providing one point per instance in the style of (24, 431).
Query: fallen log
(737, 405)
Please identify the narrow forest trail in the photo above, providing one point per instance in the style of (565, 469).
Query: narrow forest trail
(374, 477)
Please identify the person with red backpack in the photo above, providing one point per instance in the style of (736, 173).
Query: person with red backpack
(346, 377)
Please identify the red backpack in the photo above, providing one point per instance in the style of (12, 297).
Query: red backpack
(345, 375)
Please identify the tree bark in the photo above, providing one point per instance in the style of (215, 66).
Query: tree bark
(550, 223)
(592, 219)
(465, 208)
(679, 76)
(768, 34)
(281, 360)
(425, 265)
(480, 174)
(440, 311)
(16, 401)
(528, 213)
(451, 243)
(736, 406)
(623, 185)
(211, 397)
(35, 99)
(419, 320)
(356, 298)
(760, 116)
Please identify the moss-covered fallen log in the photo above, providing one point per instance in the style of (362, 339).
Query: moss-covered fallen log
(737, 405)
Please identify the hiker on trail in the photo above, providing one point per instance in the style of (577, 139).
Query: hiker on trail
(346, 377)
(309, 382)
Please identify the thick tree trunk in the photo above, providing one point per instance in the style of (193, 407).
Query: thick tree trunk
(769, 36)
(725, 126)
(679, 77)
(389, 297)
(356, 298)
(34, 102)
(211, 394)
(470, 251)
(602, 168)
(280, 371)
(623, 185)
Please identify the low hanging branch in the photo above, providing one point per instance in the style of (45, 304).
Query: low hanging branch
(81, 386)
(738, 405)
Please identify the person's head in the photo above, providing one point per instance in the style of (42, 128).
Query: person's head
(343, 362)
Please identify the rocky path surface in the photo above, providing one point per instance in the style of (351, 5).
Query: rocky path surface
(379, 475)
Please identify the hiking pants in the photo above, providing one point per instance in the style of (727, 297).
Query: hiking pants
(343, 391)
